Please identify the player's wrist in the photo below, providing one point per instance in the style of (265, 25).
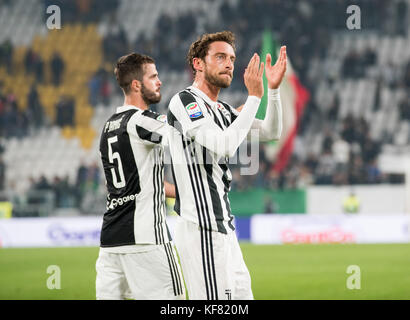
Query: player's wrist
(274, 93)
(273, 86)
(255, 94)
(254, 99)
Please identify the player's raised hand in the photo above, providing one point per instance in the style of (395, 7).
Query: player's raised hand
(253, 77)
(275, 73)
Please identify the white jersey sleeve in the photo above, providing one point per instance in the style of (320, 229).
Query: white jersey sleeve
(270, 128)
(195, 123)
(149, 127)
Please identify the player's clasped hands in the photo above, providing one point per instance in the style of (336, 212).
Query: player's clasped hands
(253, 77)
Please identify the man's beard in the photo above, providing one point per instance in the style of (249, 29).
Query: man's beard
(150, 97)
(217, 81)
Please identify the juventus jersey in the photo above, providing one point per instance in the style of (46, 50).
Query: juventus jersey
(202, 179)
(132, 152)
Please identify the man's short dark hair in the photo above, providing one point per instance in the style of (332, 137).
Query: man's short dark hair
(200, 47)
(129, 68)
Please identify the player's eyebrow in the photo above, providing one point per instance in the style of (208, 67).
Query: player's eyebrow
(225, 54)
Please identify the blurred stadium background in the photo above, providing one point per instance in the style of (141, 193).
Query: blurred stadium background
(340, 174)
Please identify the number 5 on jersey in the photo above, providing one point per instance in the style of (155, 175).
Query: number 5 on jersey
(111, 156)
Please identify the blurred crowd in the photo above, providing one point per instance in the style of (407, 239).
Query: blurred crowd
(70, 194)
(13, 121)
(18, 120)
(84, 11)
(102, 87)
(348, 158)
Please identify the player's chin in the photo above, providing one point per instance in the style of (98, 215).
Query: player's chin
(157, 98)
(154, 99)
(224, 83)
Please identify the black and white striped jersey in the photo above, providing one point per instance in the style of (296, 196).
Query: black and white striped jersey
(132, 154)
(202, 178)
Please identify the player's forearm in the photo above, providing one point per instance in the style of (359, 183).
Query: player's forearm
(271, 127)
(225, 142)
(169, 190)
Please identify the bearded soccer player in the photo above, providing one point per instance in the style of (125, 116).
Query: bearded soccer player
(137, 258)
(204, 133)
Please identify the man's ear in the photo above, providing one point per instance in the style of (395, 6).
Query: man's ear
(135, 85)
(198, 64)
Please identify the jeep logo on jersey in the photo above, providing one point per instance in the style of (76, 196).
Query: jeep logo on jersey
(193, 110)
(120, 201)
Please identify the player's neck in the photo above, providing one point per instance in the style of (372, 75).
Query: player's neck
(210, 90)
(136, 101)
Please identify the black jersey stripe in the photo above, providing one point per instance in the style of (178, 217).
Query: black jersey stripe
(158, 202)
(186, 97)
(177, 265)
(216, 201)
(178, 282)
(198, 213)
(177, 205)
(205, 226)
(224, 119)
(209, 263)
(154, 182)
(227, 183)
(175, 269)
(227, 107)
(151, 114)
(213, 190)
(178, 270)
(147, 135)
(207, 230)
(158, 178)
(173, 122)
(161, 199)
(168, 232)
(175, 273)
(171, 269)
(201, 222)
(214, 115)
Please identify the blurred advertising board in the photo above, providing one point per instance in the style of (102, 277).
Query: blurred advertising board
(284, 229)
(50, 232)
(258, 229)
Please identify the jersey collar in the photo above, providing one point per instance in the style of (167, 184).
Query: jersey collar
(126, 108)
(203, 95)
